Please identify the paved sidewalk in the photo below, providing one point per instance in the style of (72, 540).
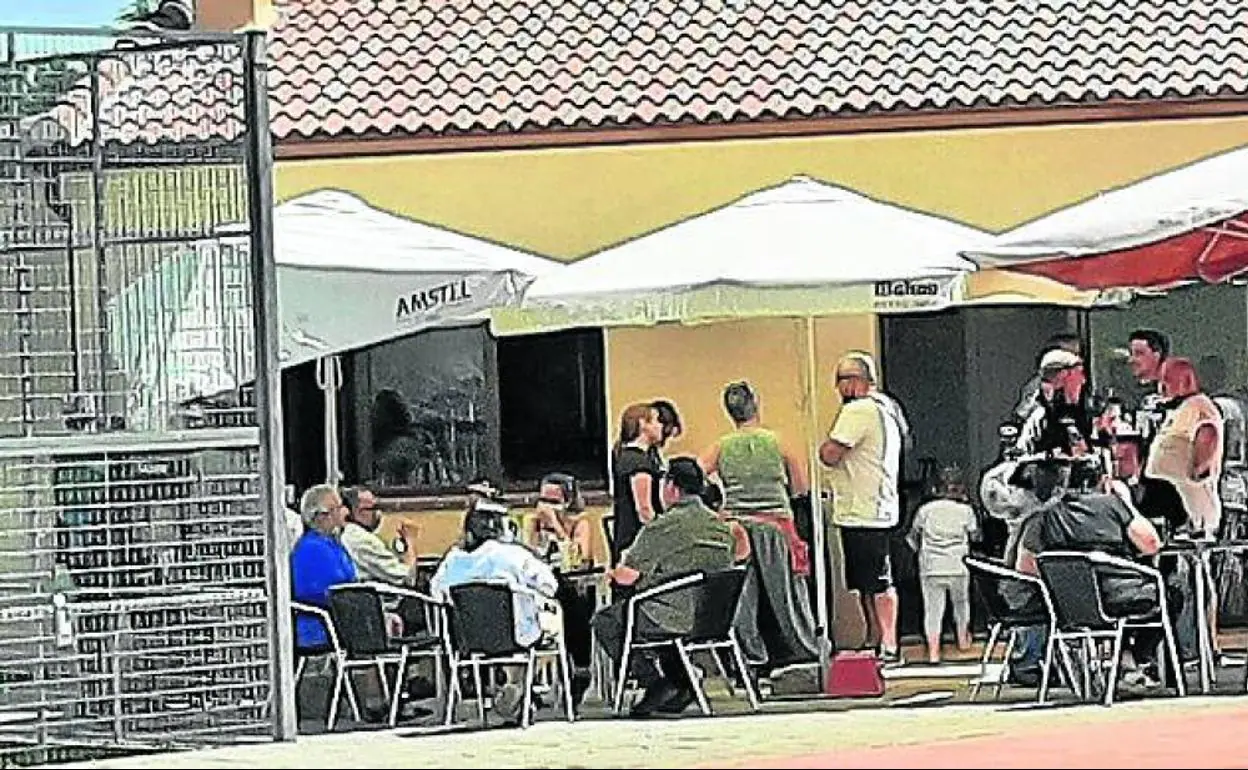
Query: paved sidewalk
(1211, 739)
(826, 739)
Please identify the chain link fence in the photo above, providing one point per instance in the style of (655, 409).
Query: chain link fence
(133, 598)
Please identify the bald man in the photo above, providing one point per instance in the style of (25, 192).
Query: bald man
(863, 452)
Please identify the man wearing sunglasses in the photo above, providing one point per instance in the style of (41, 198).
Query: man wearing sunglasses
(373, 559)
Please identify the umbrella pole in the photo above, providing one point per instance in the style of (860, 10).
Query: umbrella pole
(822, 621)
(329, 379)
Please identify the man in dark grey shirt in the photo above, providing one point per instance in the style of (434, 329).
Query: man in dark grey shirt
(1082, 521)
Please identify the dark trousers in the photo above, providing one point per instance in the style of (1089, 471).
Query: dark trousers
(609, 623)
(1180, 603)
(1029, 648)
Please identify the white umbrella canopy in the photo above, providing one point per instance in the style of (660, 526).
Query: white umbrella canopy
(1180, 225)
(314, 230)
(178, 333)
(801, 248)
(350, 275)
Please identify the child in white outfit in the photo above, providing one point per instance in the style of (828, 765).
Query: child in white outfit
(942, 534)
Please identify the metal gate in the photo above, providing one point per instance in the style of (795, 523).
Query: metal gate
(134, 572)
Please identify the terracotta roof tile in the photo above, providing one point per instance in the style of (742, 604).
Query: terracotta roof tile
(192, 94)
(391, 67)
(434, 67)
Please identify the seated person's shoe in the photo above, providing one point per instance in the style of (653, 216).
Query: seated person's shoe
(1144, 678)
(1030, 677)
(508, 702)
(1024, 677)
(580, 685)
(655, 696)
(680, 700)
(420, 688)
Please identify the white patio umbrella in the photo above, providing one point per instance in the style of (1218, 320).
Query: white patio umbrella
(348, 276)
(800, 248)
(803, 249)
(1187, 224)
(180, 333)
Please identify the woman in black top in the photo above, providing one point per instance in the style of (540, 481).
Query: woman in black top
(669, 418)
(636, 475)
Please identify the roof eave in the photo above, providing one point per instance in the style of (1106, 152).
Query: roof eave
(299, 147)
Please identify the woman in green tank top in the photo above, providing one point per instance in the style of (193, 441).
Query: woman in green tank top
(758, 473)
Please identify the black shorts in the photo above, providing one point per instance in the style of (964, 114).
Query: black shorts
(868, 568)
(1160, 501)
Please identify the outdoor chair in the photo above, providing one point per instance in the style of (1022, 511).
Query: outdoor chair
(356, 626)
(1074, 580)
(1015, 601)
(480, 633)
(716, 596)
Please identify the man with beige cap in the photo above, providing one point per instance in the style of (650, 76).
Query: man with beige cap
(863, 451)
(1059, 422)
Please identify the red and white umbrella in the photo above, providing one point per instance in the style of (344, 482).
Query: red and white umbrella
(1188, 224)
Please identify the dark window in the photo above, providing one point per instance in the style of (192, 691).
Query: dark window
(552, 405)
(425, 411)
(432, 412)
(303, 426)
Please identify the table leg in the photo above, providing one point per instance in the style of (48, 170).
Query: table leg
(1204, 643)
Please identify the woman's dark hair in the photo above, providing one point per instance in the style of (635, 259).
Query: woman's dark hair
(571, 489)
(741, 402)
(484, 520)
(630, 423)
(668, 416)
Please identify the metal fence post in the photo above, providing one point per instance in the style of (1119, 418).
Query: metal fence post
(268, 382)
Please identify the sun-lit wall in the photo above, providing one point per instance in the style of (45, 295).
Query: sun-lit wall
(566, 203)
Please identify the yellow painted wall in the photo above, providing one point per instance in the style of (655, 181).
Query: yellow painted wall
(566, 203)
(691, 364)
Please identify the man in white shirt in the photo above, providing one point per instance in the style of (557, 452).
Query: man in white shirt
(374, 560)
(490, 552)
(863, 452)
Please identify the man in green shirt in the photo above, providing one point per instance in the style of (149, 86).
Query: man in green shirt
(688, 537)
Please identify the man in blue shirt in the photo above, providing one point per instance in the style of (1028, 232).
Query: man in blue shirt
(318, 561)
